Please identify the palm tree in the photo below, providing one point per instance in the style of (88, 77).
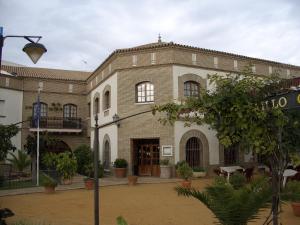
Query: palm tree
(21, 162)
(233, 206)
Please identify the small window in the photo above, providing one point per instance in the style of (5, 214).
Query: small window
(153, 58)
(6, 82)
(288, 73)
(231, 155)
(41, 85)
(191, 89)
(102, 74)
(106, 103)
(96, 105)
(70, 88)
(70, 111)
(145, 92)
(253, 69)
(43, 110)
(109, 68)
(96, 79)
(235, 65)
(194, 59)
(134, 60)
(216, 62)
(89, 109)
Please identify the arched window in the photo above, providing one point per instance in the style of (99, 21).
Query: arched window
(231, 155)
(106, 155)
(106, 102)
(192, 152)
(96, 105)
(43, 112)
(191, 89)
(144, 92)
(70, 111)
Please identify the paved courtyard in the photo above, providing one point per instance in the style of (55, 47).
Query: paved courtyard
(144, 204)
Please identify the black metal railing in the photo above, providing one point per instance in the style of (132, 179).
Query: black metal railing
(57, 123)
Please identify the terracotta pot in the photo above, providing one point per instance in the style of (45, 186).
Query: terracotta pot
(186, 183)
(67, 181)
(120, 172)
(132, 180)
(89, 183)
(49, 189)
(296, 208)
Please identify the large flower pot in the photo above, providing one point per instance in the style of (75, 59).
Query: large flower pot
(165, 171)
(49, 189)
(120, 172)
(199, 174)
(132, 180)
(296, 208)
(186, 183)
(89, 183)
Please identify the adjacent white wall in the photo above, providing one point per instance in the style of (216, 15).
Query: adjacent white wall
(112, 130)
(11, 111)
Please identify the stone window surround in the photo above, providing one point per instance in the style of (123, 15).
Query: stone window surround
(204, 151)
(136, 92)
(189, 77)
(106, 139)
(97, 95)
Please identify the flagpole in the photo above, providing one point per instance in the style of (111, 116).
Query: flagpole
(38, 145)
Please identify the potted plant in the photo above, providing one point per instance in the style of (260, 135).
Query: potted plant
(292, 193)
(120, 167)
(199, 172)
(66, 165)
(132, 179)
(89, 180)
(179, 163)
(185, 172)
(48, 183)
(165, 169)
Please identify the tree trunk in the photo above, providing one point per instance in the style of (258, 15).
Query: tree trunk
(275, 195)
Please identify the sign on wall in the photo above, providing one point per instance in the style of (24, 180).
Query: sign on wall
(289, 100)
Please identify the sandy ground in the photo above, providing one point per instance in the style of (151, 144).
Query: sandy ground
(145, 204)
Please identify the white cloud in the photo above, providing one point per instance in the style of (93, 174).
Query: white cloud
(77, 31)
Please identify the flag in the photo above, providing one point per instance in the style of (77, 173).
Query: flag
(37, 111)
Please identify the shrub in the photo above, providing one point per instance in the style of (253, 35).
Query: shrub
(185, 171)
(83, 155)
(120, 163)
(237, 180)
(164, 162)
(292, 191)
(89, 170)
(179, 163)
(47, 181)
(66, 165)
(21, 162)
(198, 169)
(50, 160)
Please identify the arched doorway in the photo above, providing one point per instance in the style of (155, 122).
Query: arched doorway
(106, 155)
(194, 149)
(193, 152)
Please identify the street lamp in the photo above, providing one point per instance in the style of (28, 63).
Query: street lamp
(33, 49)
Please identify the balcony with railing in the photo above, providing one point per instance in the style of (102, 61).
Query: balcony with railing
(57, 124)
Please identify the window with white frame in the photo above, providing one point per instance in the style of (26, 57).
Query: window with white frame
(216, 62)
(144, 92)
(153, 58)
(253, 69)
(43, 109)
(134, 60)
(194, 59)
(70, 111)
(191, 89)
(41, 85)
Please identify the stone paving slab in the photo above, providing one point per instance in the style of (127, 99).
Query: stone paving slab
(79, 184)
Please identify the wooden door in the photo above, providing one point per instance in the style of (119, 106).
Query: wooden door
(148, 160)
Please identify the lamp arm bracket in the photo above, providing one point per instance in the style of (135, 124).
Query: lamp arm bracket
(28, 38)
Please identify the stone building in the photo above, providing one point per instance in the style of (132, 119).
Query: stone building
(131, 81)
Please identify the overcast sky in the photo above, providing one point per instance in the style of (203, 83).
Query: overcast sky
(80, 34)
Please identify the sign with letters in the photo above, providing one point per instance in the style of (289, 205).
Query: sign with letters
(289, 100)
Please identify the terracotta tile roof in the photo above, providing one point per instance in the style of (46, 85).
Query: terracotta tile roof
(175, 45)
(46, 73)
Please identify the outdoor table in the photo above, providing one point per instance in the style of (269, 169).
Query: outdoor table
(288, 173)
(230, 169)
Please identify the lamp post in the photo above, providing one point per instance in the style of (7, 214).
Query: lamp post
(33, 49)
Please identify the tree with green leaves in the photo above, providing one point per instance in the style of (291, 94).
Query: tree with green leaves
(6, 133)
(233, 108)
(21, 161)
